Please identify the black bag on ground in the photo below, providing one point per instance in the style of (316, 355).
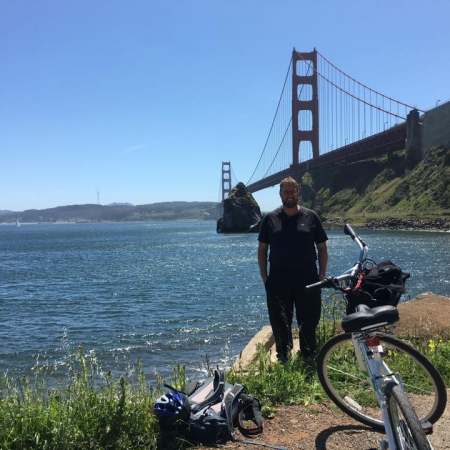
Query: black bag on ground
(383, 284)
(214, 409)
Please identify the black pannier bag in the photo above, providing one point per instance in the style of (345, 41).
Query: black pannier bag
(382, 284)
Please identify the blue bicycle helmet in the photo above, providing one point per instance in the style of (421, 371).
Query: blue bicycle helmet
(172, 406)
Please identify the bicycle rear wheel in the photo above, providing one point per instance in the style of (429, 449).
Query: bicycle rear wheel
(347, 386)
(405, 425)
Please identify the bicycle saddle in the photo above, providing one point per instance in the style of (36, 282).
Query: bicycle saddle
(366, 317)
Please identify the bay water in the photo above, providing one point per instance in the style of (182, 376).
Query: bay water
(165, 293)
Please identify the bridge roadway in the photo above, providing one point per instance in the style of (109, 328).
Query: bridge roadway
(376, 145)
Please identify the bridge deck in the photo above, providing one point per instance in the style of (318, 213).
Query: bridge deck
(376, 145)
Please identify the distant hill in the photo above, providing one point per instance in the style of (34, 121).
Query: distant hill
(117, 212)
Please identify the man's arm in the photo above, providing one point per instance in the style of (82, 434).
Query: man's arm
(322, 256)
(263, 250)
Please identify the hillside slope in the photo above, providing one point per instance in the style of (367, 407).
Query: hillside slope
(378, 189)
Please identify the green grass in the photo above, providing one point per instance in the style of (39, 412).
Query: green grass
(436, 349)
(96, 410)
(88, 411)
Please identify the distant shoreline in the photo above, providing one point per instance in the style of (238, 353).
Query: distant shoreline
(411, 224)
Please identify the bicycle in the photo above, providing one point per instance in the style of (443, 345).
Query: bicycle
(374, 377)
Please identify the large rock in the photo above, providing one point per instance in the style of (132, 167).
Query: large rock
(249, 355)
(241, 212)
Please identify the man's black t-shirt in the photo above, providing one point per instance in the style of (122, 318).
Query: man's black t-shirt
(292, 242)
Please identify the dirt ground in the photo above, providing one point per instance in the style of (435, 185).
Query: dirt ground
(324, 427)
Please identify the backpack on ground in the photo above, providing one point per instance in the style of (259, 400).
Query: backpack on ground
(382, 284)
(210, 410)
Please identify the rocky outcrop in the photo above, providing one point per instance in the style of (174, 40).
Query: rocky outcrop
(391, 223)
(439, 223)
(241, 213)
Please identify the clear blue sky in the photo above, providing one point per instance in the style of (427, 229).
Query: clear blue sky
(142, 100)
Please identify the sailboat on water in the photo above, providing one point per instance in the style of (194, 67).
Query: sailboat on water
(17, 224)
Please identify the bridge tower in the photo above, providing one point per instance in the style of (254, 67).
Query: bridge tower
(311, 104)
(226, 180)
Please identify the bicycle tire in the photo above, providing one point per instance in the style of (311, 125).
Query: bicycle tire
(405, 425)
(346, 385)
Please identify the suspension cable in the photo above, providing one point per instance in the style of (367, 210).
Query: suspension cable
(273, 121)
(366, 87)
(235, 177)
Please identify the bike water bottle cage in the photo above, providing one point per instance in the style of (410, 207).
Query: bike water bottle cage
(366, 317)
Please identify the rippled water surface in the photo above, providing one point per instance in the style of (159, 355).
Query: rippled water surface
(165, 293)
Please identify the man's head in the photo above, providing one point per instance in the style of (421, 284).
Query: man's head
(289, 192)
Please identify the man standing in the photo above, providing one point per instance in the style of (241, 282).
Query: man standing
(293, 233)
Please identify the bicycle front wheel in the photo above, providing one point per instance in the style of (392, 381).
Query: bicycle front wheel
(347, 386)
(405, 425)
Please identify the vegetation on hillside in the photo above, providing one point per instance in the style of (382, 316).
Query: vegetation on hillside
(379, 188)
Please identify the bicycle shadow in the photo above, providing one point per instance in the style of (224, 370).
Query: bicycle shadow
(362, 437)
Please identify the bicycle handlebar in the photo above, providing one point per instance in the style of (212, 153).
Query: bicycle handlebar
(330, 282)
(352, 273)
(363, 249)
(325, 283)
(349, 231)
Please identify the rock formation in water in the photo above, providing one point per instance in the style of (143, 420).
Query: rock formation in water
(241, 212)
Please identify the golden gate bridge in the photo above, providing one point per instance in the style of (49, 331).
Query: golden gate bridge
(324, 117)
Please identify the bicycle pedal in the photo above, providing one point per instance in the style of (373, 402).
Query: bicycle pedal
(427, 427)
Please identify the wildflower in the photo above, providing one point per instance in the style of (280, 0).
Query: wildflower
(431, 344)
